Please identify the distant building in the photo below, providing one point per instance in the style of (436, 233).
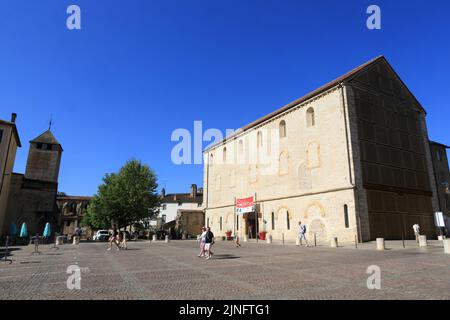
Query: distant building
(31, 197)
(442, 177)
(9, 142)
(72, 210)
(172, 203)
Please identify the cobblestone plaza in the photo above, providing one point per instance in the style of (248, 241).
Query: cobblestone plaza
(254, 271)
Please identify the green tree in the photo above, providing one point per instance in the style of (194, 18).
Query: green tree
(124, 198)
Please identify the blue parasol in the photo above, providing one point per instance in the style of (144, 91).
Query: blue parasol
(24, 231)
(47, 231)
(13, 230)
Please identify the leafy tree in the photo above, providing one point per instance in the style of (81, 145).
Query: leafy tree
(124, 198)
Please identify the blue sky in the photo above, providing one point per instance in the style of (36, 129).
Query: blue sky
(138, 69)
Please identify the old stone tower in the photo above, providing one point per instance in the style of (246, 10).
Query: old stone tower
(44, 158)
(32, 198)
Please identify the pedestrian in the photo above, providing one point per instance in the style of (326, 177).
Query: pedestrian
(123, 240)
(209, 241)
(250, 231)
(114, 238)
(202, 243)
(416, 229)
(236, 239)
(302, 233)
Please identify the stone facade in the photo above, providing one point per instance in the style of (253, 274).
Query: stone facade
(9, 142)
(308, 162)
(32, 197)
(72, 210)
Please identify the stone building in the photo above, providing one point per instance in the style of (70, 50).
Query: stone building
(32, 196)
(350, 159)
(9, 142)
(72, 210)
(173, 202)
(442, 175)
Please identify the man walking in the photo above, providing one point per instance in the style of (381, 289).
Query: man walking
(209, 241)
(416, 229)
(302, 233)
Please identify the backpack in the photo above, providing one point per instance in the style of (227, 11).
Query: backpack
(303, 228)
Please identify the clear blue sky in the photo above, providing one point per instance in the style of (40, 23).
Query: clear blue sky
(139, 69)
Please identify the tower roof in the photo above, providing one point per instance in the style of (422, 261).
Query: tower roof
(46, 137)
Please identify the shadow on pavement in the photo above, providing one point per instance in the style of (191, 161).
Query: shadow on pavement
(225, 256)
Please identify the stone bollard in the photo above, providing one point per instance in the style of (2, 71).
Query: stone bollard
(183, 236)
(245, 239)
(154, 238)
(167, 239)
(380, 244)
(422, 241)
(269, 239)
(76, 240)
(334, 242)
(59, 241)
(446, 243)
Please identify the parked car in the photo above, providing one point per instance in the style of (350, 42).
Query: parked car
(101, 235)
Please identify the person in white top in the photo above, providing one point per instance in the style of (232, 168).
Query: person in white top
(202, 243)
(416, 229)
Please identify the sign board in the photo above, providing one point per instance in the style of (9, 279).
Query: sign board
(439, 219)
(245, 205)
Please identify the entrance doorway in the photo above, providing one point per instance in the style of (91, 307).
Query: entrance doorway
(250, 225)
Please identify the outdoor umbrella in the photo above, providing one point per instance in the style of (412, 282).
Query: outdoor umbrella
(47, 230)
(13, 230)
(24, 231)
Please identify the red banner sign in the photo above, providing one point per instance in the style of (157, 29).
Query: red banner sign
(245, 205)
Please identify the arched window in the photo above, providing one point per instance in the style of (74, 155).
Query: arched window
(346, 216)
(259, 141)
(310, 118)
(241, 147)
(225, 155)
(220, 223)
(282, 129)
(273, 220)
(288, 221)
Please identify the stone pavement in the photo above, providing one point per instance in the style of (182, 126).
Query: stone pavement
(254, 271)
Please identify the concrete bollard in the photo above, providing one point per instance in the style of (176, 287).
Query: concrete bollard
(446, 246)
(167, 239)
(269, 239)
(380, 244)
(422, 241)
(76, 240)
(59, 241)
(334, 242)
(154, 238)
(245, 239)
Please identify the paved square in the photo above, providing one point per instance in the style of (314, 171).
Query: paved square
(254, 271)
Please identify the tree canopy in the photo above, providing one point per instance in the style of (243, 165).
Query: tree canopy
(125, 197)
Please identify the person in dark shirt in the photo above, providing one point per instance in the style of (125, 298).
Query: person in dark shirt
(114, 238)
(209, 241)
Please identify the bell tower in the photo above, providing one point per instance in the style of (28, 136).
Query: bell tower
(44, 158)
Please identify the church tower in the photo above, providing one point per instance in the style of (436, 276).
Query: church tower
(44, 158)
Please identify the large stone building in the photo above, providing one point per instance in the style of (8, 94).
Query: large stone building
(350, 159)
(9, 142)
(32, 196)
(72, 210)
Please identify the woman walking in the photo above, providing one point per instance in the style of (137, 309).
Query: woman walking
(114, 238)
(202, 243)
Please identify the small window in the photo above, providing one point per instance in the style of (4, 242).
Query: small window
(346, 216)
(273, 220)
(225, 155)
(282, 129)
(163, 218)
(310, 117)
(39, 146)
(211, 159)
(288, 221)
(259, 141)
(207, 222)
(1, 135)
(438, 155)
(48, 147)
(241, 147)
(164, 206)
